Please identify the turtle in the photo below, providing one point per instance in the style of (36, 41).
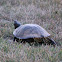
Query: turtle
(31, 33)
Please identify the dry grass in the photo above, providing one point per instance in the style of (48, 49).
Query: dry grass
(46, 13)
(14, 52)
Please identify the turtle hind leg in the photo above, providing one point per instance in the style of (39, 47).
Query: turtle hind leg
(42, 41)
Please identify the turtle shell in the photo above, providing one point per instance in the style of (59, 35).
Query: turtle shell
(30, 31)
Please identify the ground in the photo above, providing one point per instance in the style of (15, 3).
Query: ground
(46, 13)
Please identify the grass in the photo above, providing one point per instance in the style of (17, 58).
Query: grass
(19, 52)
(46, 13)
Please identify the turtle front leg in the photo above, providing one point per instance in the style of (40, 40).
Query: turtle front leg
(14, 39)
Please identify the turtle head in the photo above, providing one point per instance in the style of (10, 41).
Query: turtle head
(16, 24)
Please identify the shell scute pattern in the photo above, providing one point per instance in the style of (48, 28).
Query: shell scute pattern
(30, 31)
